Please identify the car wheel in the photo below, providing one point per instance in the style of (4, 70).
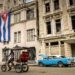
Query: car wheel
(66, 65)
(60, 64)
(41, 64)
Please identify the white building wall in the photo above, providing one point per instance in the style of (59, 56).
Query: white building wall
(22, 26)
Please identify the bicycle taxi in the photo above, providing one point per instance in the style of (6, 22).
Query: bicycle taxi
(21, 56)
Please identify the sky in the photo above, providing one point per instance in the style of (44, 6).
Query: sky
(28, 0)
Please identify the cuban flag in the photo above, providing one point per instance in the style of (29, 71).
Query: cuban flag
(5, 27)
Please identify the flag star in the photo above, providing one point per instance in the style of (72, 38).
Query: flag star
(4, 15)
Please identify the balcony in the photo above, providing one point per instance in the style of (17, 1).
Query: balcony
(71, 9)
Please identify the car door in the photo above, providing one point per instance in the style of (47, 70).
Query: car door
(47, 61)
(54, 61)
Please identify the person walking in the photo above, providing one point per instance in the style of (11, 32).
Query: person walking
(11, 59)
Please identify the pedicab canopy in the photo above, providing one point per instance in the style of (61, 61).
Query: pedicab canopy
(24, 55)
(19, 48)
(17, 51)
(15, 48)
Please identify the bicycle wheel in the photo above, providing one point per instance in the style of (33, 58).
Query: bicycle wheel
(25, 68)
(3, 68)
(18, 68)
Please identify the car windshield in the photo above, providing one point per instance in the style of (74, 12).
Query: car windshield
(50, 57)
(62, 56)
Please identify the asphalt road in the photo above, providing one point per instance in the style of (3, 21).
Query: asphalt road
(35, 70)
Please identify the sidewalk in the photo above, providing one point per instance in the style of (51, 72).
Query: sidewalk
(32, 63)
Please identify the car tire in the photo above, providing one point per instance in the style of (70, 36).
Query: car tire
(41, 64)
(60, 64)
(66, 65)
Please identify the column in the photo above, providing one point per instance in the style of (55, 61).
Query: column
(52, 6)
(59, 48)
(68, 52)
(69, 21)
(49, 49)
(53, 27)
(38, 49)
(43, 47)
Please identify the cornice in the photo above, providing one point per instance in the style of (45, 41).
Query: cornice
(24, 5)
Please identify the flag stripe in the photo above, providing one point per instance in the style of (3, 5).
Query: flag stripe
(0, 28)
(9, 19)
(6, 30)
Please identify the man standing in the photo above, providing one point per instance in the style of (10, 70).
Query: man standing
(11, 59)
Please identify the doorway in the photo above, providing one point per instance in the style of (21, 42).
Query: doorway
(73, 50)
(32, 53)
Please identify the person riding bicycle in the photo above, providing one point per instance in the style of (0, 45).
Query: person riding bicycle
(11, 59)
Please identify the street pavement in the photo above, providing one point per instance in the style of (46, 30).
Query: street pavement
(35, 70)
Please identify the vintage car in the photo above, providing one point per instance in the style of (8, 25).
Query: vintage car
(55, 60)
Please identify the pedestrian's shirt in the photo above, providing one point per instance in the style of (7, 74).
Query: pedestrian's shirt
(11, 56)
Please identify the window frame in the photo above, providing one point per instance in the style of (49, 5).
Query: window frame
(30, 35)
(73, 2)
(19, 36)
(72, 20)
(15, 37)
(30, 14)
(47, 8)
(49, 31)
(56, 5)
(17, 17)
(58, 23)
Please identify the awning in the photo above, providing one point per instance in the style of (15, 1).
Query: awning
(19, 48)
